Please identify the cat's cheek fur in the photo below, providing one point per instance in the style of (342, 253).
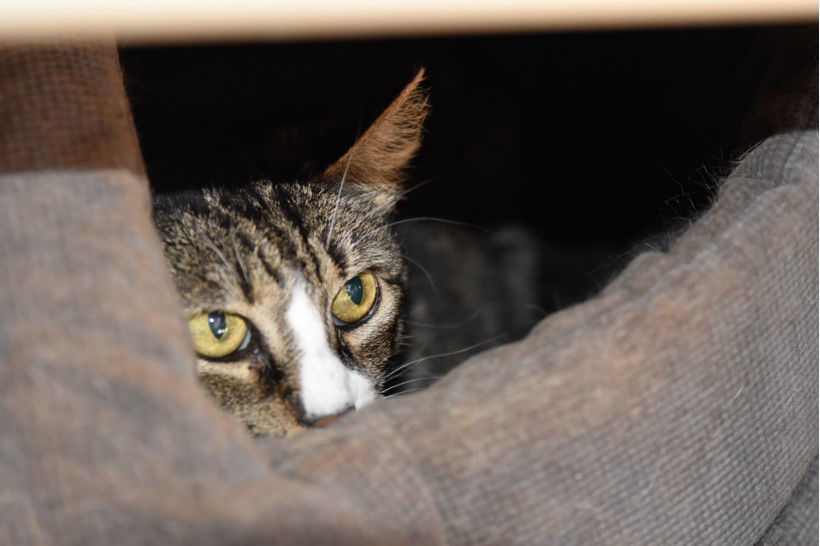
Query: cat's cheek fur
(237, 388)
(327, 387)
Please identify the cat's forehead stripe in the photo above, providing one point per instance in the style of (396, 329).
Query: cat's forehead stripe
(269, 269)
(339, 258)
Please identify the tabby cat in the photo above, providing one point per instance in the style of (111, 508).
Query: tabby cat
(294, 290)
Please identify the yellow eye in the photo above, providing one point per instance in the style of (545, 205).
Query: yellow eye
(355, 299)
(217, 334)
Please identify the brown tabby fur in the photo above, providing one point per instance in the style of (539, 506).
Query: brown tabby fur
(233, 250)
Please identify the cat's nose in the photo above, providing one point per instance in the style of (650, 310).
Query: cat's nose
(325, 420)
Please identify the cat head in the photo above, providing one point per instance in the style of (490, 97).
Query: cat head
(294, 290)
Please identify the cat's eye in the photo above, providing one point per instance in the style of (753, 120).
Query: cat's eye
(217, 334)
(355, 299)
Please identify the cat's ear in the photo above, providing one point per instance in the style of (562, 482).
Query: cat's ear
(385, 149)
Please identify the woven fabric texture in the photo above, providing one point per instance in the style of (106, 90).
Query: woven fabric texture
(677, 407)
(62, 105)
(797, 523)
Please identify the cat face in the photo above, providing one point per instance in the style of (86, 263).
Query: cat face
(294, 291)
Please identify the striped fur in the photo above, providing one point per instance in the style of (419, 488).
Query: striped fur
(250, 250)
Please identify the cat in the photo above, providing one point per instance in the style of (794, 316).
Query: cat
(306, 299)
(295, 291)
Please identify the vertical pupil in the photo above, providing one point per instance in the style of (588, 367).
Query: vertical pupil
(219, 325)
(355, 290)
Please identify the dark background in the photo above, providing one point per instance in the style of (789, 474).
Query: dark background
(591, 141)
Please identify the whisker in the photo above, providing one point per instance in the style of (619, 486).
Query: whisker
(395, 394)
(415, 380)
(389, 204)
(219, 253)
(451, 353)
(236, 253)
(421, 184)
(423, 270)
(338, 200)
(432, 219)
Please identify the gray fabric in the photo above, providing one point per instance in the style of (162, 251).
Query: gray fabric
(797, 523)
(678, 407)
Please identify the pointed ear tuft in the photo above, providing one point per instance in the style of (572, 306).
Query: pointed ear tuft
(382, 153)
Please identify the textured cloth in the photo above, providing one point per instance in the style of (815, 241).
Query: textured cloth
(797, 523)
(677, 407)
(64, 107)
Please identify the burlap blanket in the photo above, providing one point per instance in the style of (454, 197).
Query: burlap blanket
(677, 407)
